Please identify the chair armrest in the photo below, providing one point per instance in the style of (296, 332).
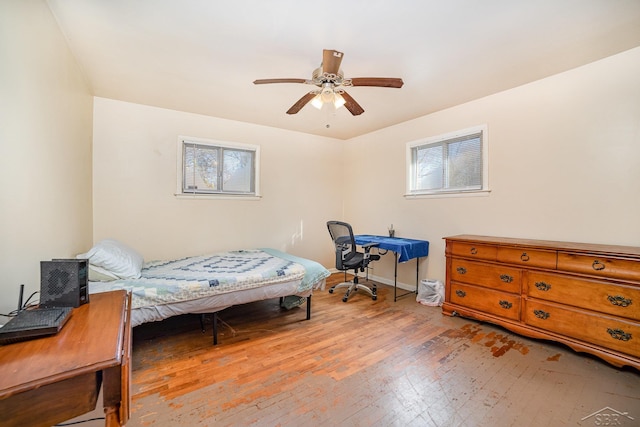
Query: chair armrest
(368, 246)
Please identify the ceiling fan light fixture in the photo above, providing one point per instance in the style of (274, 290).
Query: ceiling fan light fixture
(317, 101)
(327, 94)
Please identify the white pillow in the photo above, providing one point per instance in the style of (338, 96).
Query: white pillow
(116, 258)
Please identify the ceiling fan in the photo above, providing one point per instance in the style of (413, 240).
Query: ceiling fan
(331, 83)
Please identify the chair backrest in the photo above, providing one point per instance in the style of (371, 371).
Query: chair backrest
(345, 244)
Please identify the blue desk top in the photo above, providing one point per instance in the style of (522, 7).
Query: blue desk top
(407, 248)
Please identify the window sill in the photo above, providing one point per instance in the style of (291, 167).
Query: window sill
(444, 194)
(218, 197)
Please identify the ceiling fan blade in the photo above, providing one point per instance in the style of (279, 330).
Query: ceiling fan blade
(266, 81)
(351, 104)
(331, 60)
(301, 103)
(377, 81)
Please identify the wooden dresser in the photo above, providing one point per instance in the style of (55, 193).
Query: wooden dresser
(586, 296)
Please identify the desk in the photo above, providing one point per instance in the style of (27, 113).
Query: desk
(406, 249)
(49, 380)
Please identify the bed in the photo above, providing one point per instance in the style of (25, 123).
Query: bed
(201, 284)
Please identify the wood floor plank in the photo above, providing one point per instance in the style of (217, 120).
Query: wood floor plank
(362, 363)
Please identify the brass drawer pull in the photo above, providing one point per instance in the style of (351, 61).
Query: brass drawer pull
(619, 334)
(474, 251)
(505, 304)
(541, 314)
(461, 270)
(619, 300)
(461, 293)
(597, 265)
(524, 257)
(506, 278)
(543, 286)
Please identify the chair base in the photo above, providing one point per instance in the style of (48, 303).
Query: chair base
(353, 287)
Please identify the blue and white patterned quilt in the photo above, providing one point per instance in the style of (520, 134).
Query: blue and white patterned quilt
(199, 276)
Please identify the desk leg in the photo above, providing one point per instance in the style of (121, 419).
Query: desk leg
(417, 273)
(112, 395)
(395, 280)
(111, 417)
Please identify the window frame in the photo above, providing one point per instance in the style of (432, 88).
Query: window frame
(217, 194)
(411, 192)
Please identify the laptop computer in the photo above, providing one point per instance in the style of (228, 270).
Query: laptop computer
(39, 322)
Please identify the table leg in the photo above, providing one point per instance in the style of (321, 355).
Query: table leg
(417, 273)
(111, 417)
(395, 280)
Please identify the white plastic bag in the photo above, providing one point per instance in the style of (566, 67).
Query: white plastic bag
(430, 292)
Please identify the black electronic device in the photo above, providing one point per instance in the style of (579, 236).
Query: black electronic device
(39, 322)
(64, 283)
(20, 296)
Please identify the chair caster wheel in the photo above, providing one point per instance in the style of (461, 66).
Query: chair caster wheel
(345, 299)
(374, 297)
(330, 291)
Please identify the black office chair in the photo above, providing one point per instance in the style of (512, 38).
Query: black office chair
(348, 258)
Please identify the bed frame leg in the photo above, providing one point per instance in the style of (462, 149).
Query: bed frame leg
(215, 328)
(309, 307)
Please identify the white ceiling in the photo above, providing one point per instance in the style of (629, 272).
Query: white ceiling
(202, 56)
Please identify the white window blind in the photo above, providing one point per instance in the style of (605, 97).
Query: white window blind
(447, 164)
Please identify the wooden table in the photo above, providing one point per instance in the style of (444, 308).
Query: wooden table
(49, 380)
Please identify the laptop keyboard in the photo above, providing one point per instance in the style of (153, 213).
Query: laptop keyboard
(34, 323)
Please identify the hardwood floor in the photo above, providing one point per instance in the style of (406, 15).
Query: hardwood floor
(365, 363)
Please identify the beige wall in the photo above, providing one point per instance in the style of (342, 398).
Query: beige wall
(45, 148)
(135, 149)
(564, 164)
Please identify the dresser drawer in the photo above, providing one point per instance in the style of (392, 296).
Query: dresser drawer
(486, 300)
(488, 275)
(604, 297)
(618, 268)
(528, 258)
(609, 332)
(472, 250)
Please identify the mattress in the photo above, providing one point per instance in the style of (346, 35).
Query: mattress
(210, 283)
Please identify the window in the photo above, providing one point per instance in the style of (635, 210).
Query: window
(213, 168)
(448, 164)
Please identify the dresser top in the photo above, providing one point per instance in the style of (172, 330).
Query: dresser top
(627, 251)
